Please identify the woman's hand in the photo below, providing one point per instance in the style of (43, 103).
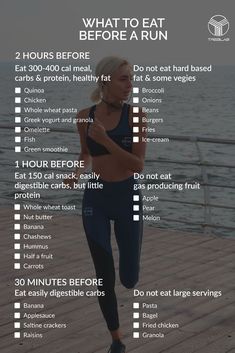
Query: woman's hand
(70, 182)
(97, 132)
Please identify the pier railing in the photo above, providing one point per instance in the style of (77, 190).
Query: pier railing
(207, 224)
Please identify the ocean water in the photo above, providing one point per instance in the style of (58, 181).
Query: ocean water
(203, 109)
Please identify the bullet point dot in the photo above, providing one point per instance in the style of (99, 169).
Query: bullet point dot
(135, 109)
(135, 129)
(16, 334)
(17, 315)
(17, 119)
(135, 89)
(135, 119)
(17, 139)
(136, 315)
(136, 218)
(136, 325)
(17, 90)
(135, 139)
(17, 129)
(135, 99)
(136, 197)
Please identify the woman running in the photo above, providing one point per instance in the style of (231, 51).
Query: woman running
(116, 151)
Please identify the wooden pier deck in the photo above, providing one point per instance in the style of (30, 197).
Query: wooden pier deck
(170, 260)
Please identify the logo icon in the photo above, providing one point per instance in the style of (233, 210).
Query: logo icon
(218, 25)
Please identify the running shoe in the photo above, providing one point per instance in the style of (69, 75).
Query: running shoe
(117, 347)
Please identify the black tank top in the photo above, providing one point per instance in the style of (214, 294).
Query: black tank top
(122, 134)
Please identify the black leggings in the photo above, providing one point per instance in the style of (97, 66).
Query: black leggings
(114, 202)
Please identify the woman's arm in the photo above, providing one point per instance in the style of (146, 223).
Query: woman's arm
(133, 161)
(84, 154)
